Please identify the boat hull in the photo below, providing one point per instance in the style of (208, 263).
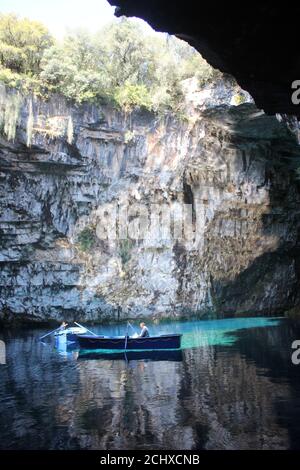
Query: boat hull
(120, 343)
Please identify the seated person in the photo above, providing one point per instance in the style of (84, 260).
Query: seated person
(144, 331)
(63, 326)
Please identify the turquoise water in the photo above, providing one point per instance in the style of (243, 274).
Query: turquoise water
(195, 334)
(220, 332)
(231, 386)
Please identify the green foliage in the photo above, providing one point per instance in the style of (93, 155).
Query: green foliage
(23, 83)
(130, 96)
(10, 78)
(57, 69)
(85, 86)
(126, 54)
(86, 239)
(66, 71)
(121, 64)
(125, 247)
(22, 44)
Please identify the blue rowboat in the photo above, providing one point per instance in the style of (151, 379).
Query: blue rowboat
(129, 343)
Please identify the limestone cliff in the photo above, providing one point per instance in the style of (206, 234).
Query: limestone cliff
(231, 163)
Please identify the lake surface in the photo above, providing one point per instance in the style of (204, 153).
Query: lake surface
(232, 386)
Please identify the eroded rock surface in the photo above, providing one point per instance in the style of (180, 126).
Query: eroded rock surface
(232, 164)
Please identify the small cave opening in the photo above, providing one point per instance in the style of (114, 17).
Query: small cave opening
(188, 198)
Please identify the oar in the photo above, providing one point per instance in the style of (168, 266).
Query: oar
(51, 332)
(126, 339)
(132, 327)
(78, 324)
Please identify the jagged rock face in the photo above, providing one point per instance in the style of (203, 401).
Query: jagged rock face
(259, 48)
(228, 162)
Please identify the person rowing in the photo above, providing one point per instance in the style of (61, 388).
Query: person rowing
(144, 331)
(63, 326)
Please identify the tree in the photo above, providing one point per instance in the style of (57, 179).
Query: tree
(122, 64)
(81, 48)
(22, 43)
(128, 58)
(73, 69)
(57, 68)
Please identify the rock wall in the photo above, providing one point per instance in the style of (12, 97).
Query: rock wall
(231, 164)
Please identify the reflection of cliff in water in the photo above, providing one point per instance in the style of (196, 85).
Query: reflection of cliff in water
(235, 397)
(220, 401)
(277, 353)
(32, 391)
(217, 398)
(146, 355)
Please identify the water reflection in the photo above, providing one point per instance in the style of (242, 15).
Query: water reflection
(162, 355)
(232, 386)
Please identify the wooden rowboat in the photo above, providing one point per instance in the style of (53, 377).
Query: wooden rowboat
(130, 343)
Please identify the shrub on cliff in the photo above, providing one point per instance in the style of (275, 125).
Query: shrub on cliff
(86, 239)
(125, 247)
(130, 96)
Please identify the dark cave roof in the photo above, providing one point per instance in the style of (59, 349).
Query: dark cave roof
(257, 43)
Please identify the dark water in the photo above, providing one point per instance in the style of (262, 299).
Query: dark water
(233, 386)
